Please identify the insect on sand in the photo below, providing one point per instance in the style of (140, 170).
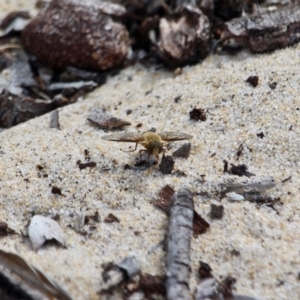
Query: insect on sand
(151, 141)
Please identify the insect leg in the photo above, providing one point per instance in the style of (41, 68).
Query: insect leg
(133, 149)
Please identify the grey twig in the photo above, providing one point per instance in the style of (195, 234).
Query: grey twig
(179, 243)
(255, 184)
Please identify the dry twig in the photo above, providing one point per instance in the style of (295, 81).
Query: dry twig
(179, 243)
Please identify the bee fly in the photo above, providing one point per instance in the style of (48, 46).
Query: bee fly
(151, 141)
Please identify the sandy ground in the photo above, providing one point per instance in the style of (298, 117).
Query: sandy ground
(267, 239)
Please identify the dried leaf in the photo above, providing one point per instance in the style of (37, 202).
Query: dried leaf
(42, 229)
(105, 120)
(28, 280)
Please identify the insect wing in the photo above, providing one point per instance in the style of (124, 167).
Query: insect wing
(129, 137)
(174, 136)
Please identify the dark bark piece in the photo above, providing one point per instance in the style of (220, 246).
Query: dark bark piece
(225, 169)
(118, 273)
(253, 80)
(92, 219)
(264, 32)
(163, 202)
(111, 218)
(184, 37)
(200, 226)
(183, 151)
(198, 114)
(56, 190)
(273, 85)
(5, 230)
(152, 284)
(69, 33)
(240, 150)
(217, 211)
(167, 164)
(179, 243)
(228, 9)
(15, 109)
(179, 173)
(165, 195)
(106, 121)
(204, 270)
(54, 120)
(142, 165)
(240, 170)
(90, 164)
(260, 135)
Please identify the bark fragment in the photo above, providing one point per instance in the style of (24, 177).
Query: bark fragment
(264, 32)
(54, 120)
(184, 37)
(15, 109)
(183, 151)
(167, 164)
(116, 274)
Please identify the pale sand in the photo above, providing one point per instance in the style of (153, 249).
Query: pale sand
(267, 242)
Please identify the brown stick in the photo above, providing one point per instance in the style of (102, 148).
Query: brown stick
(179, 243)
